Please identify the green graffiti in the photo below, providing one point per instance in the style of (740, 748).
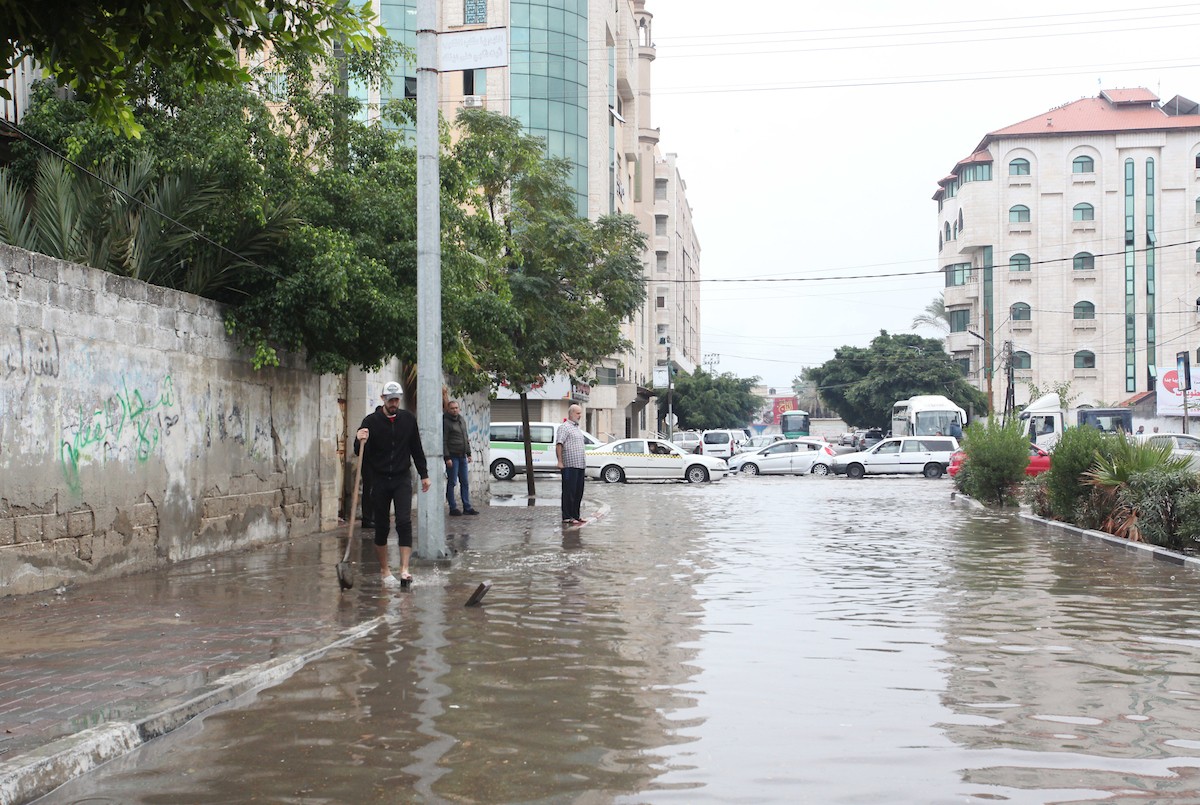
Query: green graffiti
(126, 421)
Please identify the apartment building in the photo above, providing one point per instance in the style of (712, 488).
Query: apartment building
(579, 75)
(1069, 241)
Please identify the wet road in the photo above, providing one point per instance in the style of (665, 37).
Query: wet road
(757, 640)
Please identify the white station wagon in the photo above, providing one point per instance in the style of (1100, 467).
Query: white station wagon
(651, 459)
(928, 455)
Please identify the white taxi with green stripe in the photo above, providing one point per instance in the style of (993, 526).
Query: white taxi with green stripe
(506, 448)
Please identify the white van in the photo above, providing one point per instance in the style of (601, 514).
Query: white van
(506, 447)
(721, 443)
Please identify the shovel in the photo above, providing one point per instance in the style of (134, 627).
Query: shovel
(345, 573)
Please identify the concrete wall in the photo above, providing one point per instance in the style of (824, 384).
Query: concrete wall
(133, 433)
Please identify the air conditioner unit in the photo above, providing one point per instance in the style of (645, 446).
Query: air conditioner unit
(473, 102)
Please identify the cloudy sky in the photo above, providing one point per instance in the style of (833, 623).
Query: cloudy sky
(811, 137)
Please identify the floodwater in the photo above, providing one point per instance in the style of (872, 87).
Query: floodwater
(759, 640)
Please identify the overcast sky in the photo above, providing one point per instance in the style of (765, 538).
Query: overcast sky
(811, 137)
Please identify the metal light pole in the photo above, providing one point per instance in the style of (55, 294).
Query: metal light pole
(670, 410)
(431, 525)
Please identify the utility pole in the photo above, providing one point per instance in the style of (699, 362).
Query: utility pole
(1010, 395)
(711, 360)
(431, 525)
(990, 361)
(670, 384)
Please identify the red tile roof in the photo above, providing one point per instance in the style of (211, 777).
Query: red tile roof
(1094, 115)
(977, 157)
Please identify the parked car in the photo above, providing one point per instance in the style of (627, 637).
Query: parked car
(759, 442)
(785, 457)
(651, 459)
(1182, 445)
(848, 439)
(688, 440)
(929, 455)
(721, 443)
(868, 438)
(1039, 462)
(506, 448)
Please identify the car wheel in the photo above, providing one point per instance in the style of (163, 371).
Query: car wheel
(749, 469)
(933, 470)
(697, 474)
(856, 471)
(612, 474)
(820, 469)
(503, 469)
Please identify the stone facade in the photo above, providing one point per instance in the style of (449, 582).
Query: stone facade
(133, 433)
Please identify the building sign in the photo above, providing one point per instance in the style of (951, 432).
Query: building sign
(1169, 399)
(782, 405)
(580, 392)
(475, 12)
(472, 50)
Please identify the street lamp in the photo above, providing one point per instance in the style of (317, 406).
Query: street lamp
(990, 364)
(670, 411)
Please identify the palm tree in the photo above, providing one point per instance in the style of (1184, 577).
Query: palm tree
(934, 315)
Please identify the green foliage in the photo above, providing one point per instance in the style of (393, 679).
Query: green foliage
(997, 455)
(861, 384)
(1158, 502)
(1062, 388)
(1074, 455)
(934, 315)
(96, 46)
(1188, 529)
(703, 401)
(1114, 472)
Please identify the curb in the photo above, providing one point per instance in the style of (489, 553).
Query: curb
(1160, 554)
(37, 773)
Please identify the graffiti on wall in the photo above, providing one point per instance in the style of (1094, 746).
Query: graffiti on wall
(31, 354)
(127, 425)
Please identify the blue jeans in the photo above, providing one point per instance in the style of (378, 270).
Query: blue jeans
(457, 473)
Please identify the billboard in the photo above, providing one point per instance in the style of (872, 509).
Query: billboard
(1169, 399)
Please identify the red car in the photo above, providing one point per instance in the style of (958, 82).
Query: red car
(1039, 461)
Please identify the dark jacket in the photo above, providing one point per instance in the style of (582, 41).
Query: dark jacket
(393, 446)
(454, 435)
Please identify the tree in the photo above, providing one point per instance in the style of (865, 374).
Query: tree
(862, 383)
(1062, 388)
(94, 46)
(703, 401)
(934, 315)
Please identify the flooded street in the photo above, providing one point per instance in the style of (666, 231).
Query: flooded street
(759, 640)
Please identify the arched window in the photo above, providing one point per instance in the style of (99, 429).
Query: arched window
(1020, 167)
(1083, 165)
(1084, 212)
(1021, 360)
(1018, 214)
(1020, 312)
(960, 221)
(947, 231)
(1018, 262)
(1085, 310)
(1085, 261)
(1085, 359)
(1198, 256)
(1198, 205)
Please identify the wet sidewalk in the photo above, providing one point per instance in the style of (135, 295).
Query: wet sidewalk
(91, 671)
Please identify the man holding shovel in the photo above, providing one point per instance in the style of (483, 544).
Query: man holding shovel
(393, 444)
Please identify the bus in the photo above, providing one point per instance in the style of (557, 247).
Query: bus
(794, 423)
(926, 415)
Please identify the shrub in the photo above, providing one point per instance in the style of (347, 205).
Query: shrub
(997, 456)
(1074, 455)
(1189, 519)
(1151, 501)
(1131, 474)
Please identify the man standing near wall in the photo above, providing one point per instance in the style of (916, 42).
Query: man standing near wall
(458, 455)
(394, 446)
(569, 447)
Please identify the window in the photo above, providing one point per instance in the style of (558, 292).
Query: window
(947, 231)
(959, 320)
(660, 224)
(1018, 262)
(1018, 167)
(976, 173)
(475, 12)
(958, 274)
(1021, 360)
(1198, 162)
(1198, 256)
(660, 302)
(1085, 359)
(1198, 206)
(1020, 311)
(474, 82)
(410, 86)
(1085, 310)
(1018, 214)
(961, 226)
(964, 365)
(660, 261)
(660, 189)
(1084, 261)
(1084, 212)
(1083, 165)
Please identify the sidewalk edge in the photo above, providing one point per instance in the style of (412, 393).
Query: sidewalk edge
(35, 774)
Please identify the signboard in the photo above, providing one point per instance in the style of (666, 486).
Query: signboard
(782, 405)
(1169, 395)
(1184, 370)
(472, 50)
(660, 377)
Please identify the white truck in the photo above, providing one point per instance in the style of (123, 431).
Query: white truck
(1044, 420)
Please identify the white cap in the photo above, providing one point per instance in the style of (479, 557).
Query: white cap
(392, 391)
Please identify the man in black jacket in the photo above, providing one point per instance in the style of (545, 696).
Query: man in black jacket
(393, 445)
